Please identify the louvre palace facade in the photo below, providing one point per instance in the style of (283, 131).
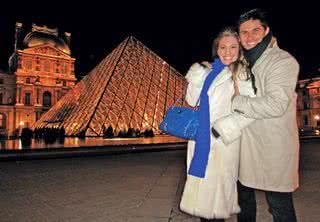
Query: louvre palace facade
(41, 71)
(308, 104)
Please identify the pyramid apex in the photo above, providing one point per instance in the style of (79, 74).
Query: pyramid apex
(132, 38)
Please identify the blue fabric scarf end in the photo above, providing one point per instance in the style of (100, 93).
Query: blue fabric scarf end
(200, 158)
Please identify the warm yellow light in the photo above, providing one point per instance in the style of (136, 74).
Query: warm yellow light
(316, 117)
(21, 123)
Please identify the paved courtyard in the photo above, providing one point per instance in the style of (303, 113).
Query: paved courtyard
(136, 187)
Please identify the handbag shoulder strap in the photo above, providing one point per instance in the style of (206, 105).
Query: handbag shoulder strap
(196, 107)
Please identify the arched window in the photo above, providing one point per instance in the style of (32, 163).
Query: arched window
(46, 99)
(2, 121)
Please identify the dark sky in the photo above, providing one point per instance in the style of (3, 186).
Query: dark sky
(181, 33)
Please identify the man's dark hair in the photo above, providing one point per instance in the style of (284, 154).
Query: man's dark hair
(254, 14)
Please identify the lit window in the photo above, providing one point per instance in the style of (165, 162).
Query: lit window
(64, 68)
(27, 64)
(305, 120)
(27, 99)
(47, 66)
(58, 66)
(46, 99)
(2, 121)
(19, 64)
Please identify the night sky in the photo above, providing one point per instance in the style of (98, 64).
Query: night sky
(181, 33)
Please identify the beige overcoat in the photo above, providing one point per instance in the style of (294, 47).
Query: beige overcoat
(269, 154)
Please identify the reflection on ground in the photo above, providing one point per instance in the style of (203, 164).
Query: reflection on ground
(74, 142)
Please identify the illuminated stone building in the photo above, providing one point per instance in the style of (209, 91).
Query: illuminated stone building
(308, 110)
(131, 88)
(41, 71)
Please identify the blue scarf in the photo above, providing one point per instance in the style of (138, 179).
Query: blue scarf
(202, 147)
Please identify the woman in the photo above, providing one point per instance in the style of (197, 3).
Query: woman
(210, 191)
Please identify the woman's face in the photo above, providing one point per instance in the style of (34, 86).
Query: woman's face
(228, 49)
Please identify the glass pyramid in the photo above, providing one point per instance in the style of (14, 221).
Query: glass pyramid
(131, 88)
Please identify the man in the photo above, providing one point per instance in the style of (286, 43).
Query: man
(269, 153)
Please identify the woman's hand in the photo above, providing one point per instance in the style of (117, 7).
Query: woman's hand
(206, 64)
(236, 88)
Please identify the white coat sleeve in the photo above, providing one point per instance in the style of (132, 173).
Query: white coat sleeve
(195, 78)
(279, 90)
(229, 127)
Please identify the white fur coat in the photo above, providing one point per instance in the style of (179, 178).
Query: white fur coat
(214, 196)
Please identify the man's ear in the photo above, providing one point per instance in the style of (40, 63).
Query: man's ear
(267, 31)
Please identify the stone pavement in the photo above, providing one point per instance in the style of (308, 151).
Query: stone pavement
(139, 187)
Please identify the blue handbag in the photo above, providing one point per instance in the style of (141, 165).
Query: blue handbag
(181, 122)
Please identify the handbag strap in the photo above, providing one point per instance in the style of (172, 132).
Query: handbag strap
(196, 107)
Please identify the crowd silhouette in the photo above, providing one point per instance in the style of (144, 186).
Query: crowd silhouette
(57, 134)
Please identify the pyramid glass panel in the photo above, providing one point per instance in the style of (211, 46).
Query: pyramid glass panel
(131, 88)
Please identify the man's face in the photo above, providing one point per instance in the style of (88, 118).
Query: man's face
(251, 33)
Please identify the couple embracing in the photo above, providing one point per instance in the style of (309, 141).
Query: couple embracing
(248, 135)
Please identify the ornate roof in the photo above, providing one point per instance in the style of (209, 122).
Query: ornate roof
(41, 35)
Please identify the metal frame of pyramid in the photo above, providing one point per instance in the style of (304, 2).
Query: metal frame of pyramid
(131, 88)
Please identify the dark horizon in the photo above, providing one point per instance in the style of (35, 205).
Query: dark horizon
(179, 37)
